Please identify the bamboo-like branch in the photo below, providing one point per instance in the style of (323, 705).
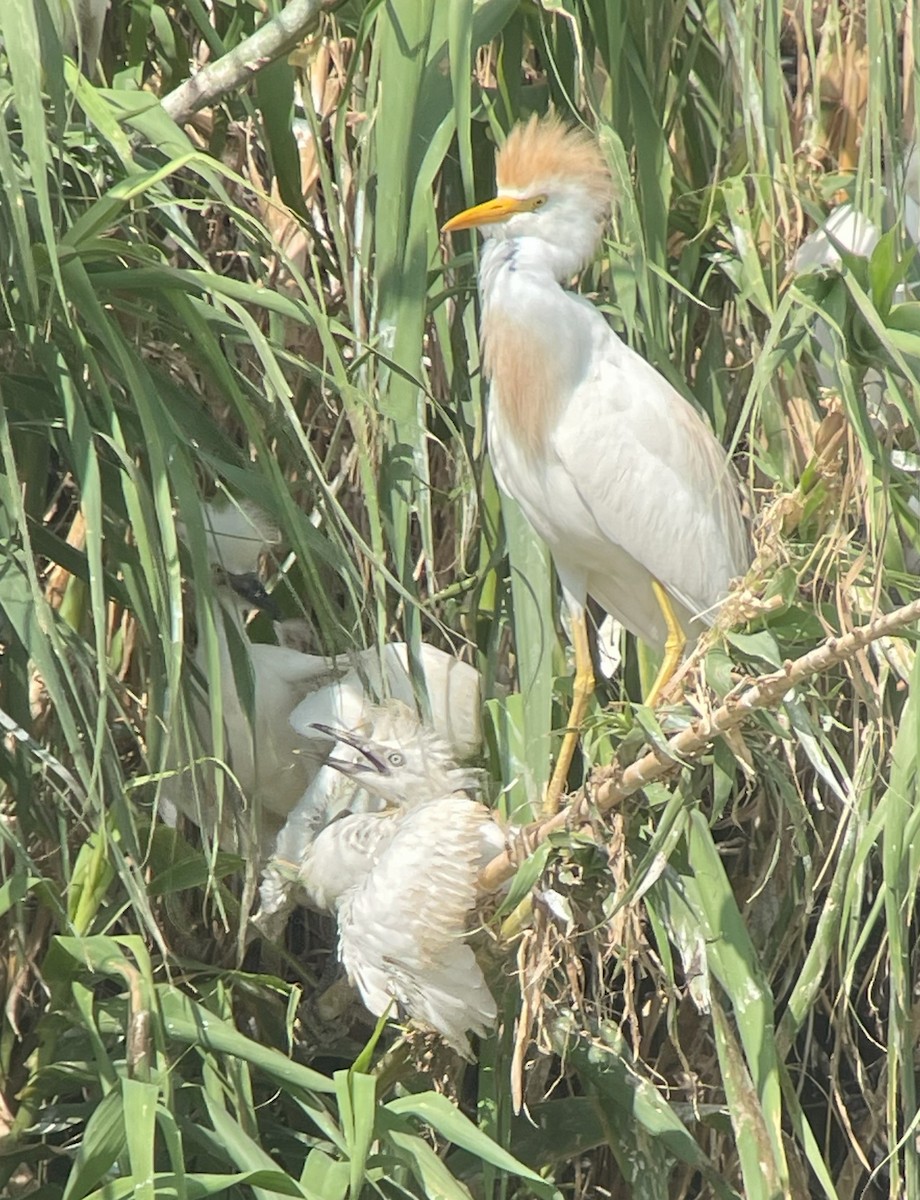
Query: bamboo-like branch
(270, 41)
(610, 785)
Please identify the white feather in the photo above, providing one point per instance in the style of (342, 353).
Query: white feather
(611, 465)
(403, 884)
(276, 762)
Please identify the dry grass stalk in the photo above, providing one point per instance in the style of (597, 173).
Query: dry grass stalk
(610, 785)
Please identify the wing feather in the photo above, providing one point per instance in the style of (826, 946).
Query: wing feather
(402, 930)
(653, 477)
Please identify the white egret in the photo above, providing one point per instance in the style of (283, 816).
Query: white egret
(402, 882)
(273, 760)
(849, 230)
(270, 761)
(614, 469)
(429, 758)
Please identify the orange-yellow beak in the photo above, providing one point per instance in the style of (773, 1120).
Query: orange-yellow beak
(484, 214)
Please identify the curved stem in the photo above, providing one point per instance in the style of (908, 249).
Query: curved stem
(610, 785)
(270, 41)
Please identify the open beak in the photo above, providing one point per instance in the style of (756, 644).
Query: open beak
(498, 209)
(372, 762)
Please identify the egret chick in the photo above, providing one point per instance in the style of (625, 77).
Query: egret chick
(421, 760)
(274, 757)
(613, 468)
(453, 688)
(402, 883)
(270, 761)
(403, 761)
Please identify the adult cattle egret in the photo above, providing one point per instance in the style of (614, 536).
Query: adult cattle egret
(273, 760)
(402, 883)
(613, 468)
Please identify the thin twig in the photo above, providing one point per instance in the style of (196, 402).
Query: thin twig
(270, 41)
(610, 785)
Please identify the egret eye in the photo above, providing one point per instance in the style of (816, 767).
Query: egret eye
(396, 759)
(537, 202)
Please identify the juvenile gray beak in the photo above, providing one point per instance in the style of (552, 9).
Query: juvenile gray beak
(252, 590)
(372, 760)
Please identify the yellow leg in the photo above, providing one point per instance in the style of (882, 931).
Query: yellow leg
(673, 647)
(582, 690)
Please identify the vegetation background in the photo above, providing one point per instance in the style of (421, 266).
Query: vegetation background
(718, 993)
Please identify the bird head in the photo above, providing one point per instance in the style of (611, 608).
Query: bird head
(553, 186)
(249, 590)
(236, 534)
(404, 763)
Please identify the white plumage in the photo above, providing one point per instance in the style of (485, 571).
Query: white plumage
(847, 229)
(453, 690)
(350, 702)
(271, 762)
(613, 468)
(275, 761)
(428, 767)
(402, 882)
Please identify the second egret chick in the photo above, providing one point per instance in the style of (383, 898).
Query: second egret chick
(402, 883)
(398, 758)
(271, 762)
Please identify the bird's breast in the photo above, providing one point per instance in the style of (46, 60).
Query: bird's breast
(536, 342)
(525, 377)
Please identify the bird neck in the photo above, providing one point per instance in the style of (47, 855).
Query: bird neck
(531, 257)
(535, 339)
(229, 625)
(228, 609)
